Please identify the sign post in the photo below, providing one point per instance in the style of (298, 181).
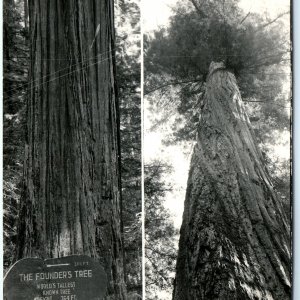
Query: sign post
(75, 277)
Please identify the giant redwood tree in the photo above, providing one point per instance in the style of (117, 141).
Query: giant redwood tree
(234, 240)
(71, 203)
(210, 61)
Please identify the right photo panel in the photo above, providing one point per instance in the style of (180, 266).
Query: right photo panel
(217, 149)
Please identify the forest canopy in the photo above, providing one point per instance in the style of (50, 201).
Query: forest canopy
(253, 47)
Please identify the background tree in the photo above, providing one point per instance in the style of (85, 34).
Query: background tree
(160, 250)
(15, 65)
(128, 76)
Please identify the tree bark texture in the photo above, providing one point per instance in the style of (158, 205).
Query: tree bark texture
(234, 239)
(71, 202)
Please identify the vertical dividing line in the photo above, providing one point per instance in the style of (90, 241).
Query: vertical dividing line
(142, 151)
(295, 134)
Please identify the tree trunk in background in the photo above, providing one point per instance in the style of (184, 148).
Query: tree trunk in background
(26, 14)
(234, 239)
(8, 9)
(71, 202)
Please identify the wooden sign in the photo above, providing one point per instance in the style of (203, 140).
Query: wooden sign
(75, 277)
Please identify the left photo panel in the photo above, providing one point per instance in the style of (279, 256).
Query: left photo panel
(72, 201)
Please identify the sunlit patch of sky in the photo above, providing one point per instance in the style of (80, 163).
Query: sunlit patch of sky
(178, 156)
(156, 13)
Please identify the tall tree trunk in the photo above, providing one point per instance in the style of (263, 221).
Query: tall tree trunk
(234, 239)
(71, 202)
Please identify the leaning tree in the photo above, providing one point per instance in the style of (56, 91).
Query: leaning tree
(71, 202)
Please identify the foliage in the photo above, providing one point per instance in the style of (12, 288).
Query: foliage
(128, 78)
(217, 31)
(192, 41)
(15, 65)
(160, 250)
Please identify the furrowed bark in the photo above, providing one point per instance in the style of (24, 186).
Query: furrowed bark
(234, 239)
(71, 202)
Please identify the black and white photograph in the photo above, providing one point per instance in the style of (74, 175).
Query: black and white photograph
(147, 150)
(72, 150)
(217, 94)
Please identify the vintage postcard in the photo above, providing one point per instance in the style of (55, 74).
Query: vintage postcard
(147, 149)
